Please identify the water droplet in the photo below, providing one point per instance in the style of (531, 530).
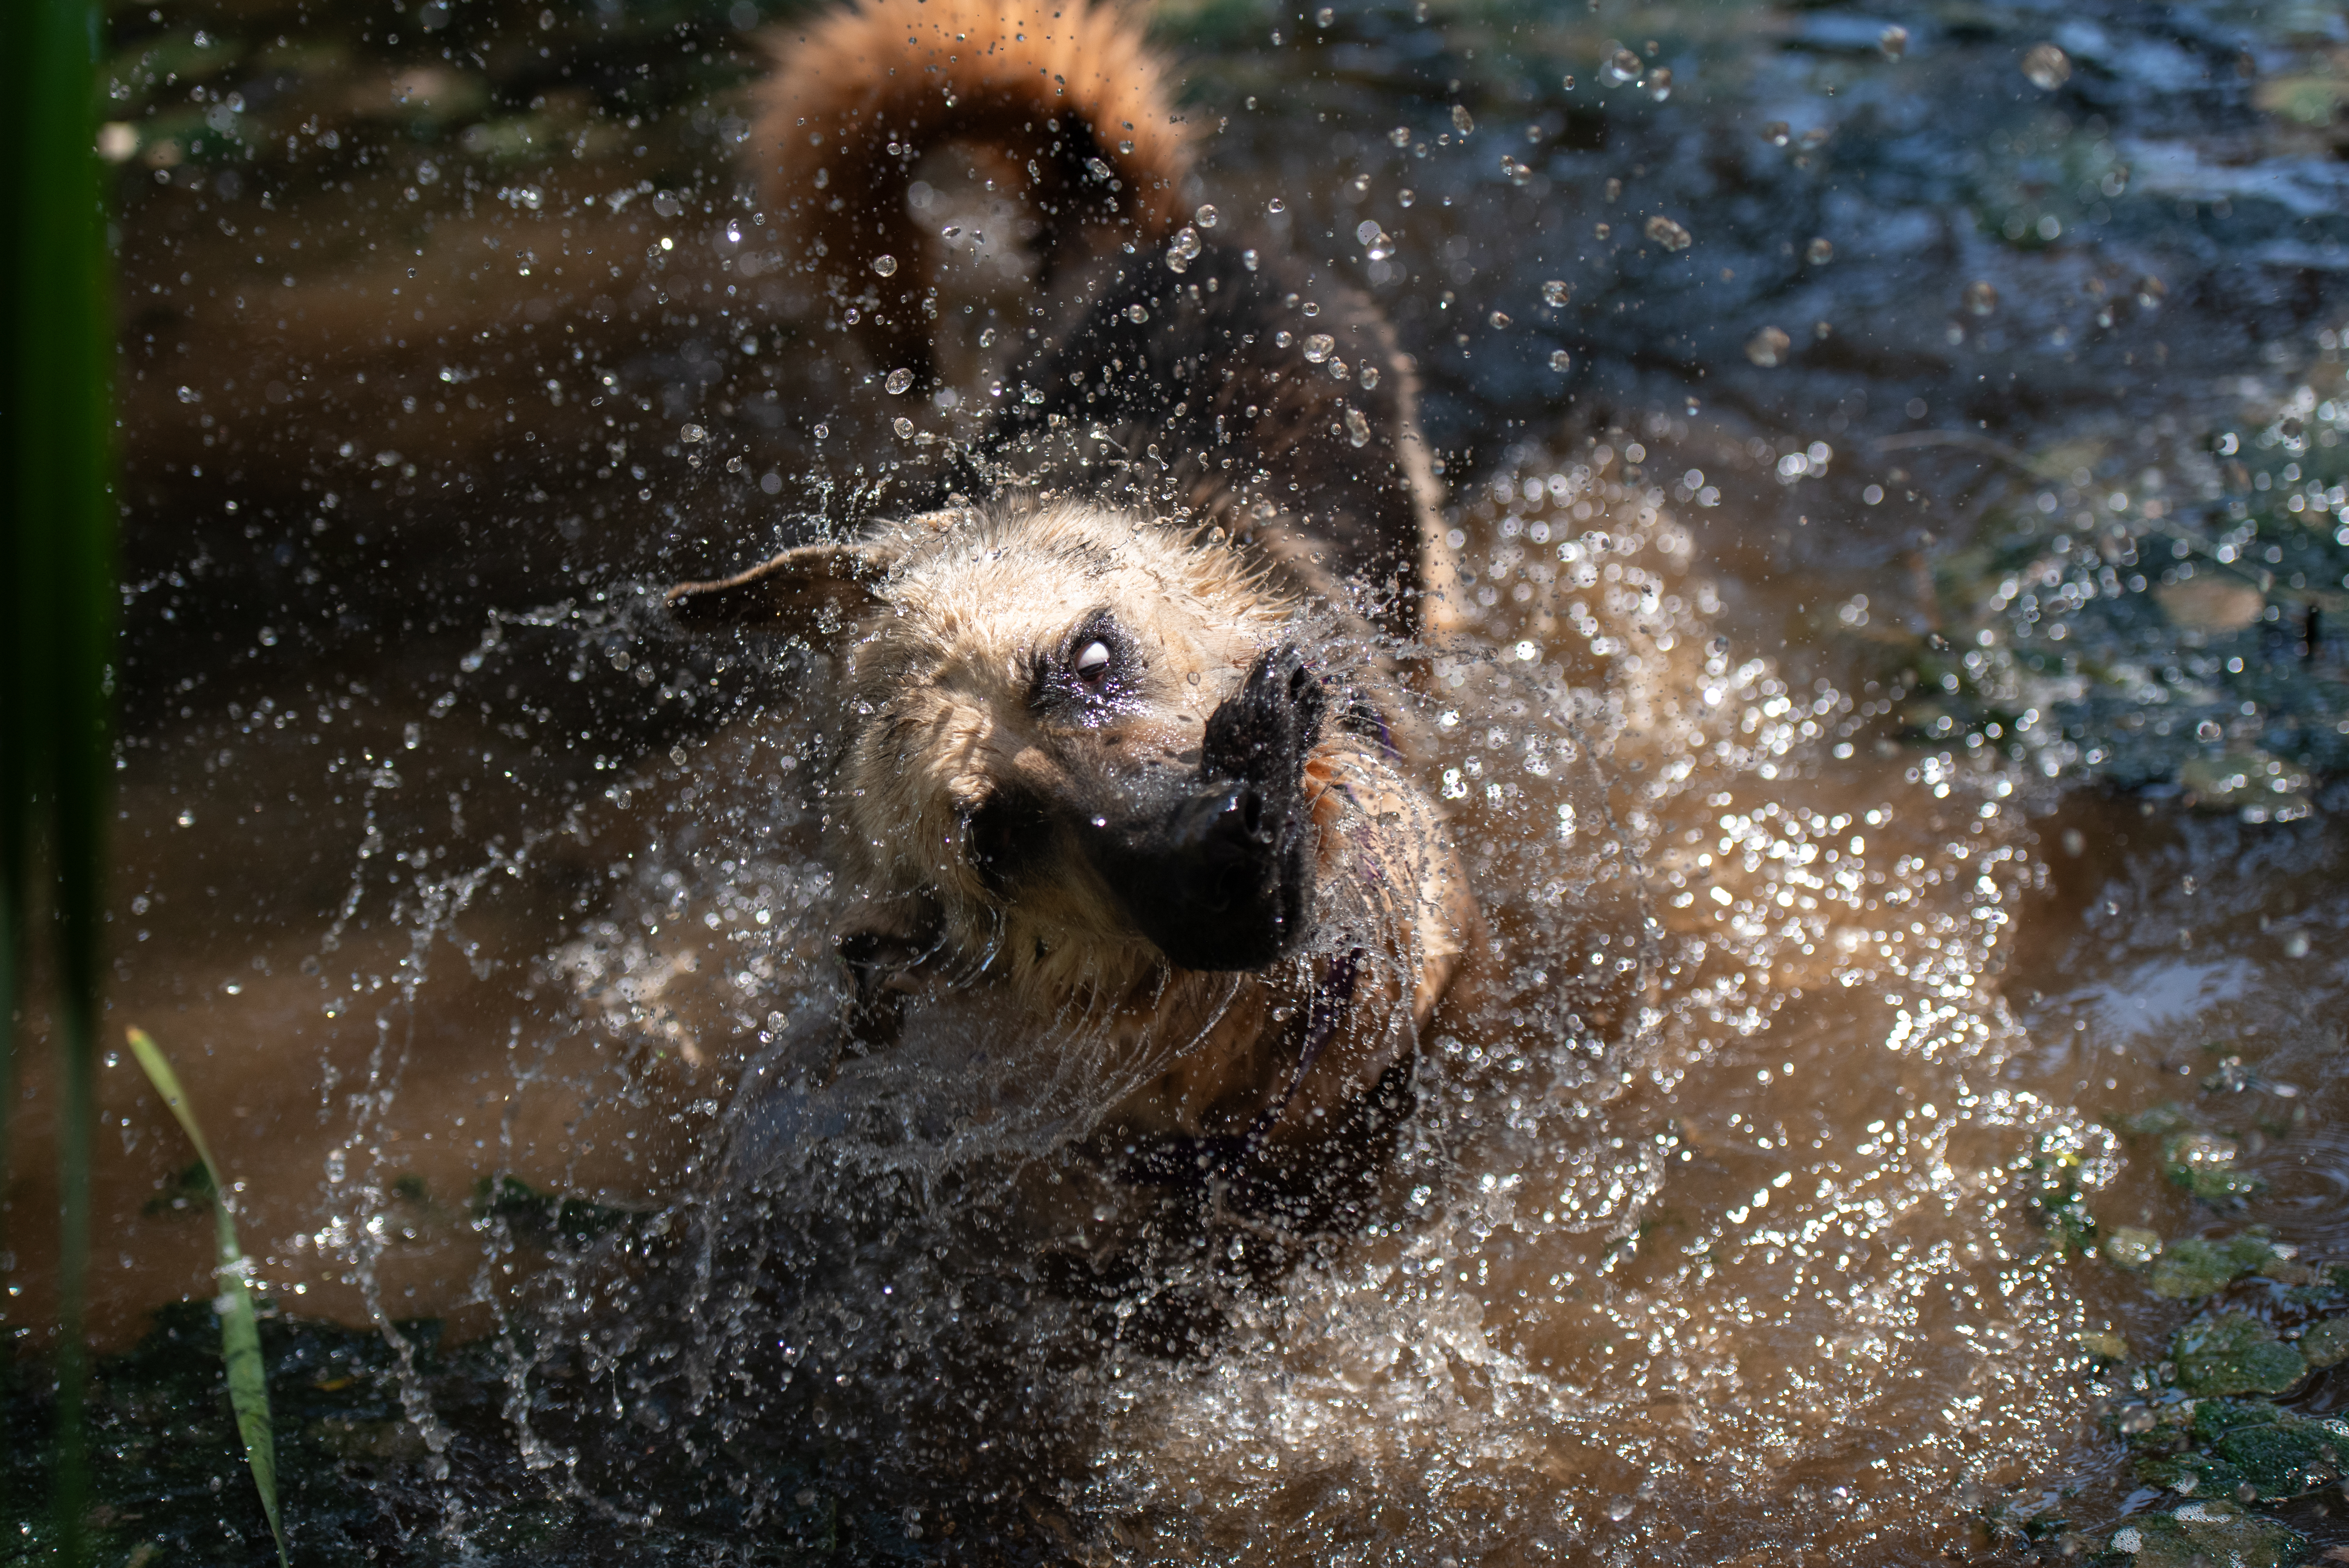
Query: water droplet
(884, 264)
(1460, 122)
(1136, 314)
(1324, 16)
(1358, 429)
(1776, 133)
(1820, 253)
(1666, 233)
(1556, 293)
(1400, 136)
(1318, 347)
(1186, 246)
(1515, 170)
(2046, 66)
(1660, 83)
(1370, 377)
(1894, 42)
(1619, 1509)
(1276, 205)
(1980, 299)
(1367, 232)
(1499, 321)
(898, 381)
(2151, 291)
(1622, 66)
(1768, 348)
(1406, 196)
(692, 433)
(1560, 360)
(904, 426)
(1125, 147)
(1207, 217)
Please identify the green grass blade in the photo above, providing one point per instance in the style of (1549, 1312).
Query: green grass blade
(248, 1380)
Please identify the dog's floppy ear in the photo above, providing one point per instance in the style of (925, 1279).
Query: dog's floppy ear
(814, 591)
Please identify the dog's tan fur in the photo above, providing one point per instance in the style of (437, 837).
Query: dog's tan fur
(940, 621)
(1043, 87)
(938, 618)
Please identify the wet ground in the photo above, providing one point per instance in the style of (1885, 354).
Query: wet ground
(1913, 661)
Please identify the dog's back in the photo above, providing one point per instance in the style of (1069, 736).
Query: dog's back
(1189, 371)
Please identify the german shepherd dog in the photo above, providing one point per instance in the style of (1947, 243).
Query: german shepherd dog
(1123, 750)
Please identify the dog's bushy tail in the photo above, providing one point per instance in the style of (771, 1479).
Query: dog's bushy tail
(1066, 94)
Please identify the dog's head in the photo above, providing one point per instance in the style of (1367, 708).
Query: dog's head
(1084, 735)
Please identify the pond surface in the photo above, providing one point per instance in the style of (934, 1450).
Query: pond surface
(1899, 456)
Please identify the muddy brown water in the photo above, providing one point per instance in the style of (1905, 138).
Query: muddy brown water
(443, 861)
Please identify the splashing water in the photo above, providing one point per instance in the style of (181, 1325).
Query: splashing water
(1604, 1286)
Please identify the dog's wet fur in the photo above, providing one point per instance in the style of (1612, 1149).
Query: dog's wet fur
(1123, 736)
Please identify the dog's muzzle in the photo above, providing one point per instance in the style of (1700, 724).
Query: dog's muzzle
(1221, 875)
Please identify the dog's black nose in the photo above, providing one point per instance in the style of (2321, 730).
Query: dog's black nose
(1264, 731)
(1222, 877)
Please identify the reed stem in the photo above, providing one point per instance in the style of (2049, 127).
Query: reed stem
(56, 573)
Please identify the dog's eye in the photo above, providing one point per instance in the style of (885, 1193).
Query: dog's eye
(1083, 678)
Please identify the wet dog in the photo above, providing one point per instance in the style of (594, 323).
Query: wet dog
(1124, 750)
